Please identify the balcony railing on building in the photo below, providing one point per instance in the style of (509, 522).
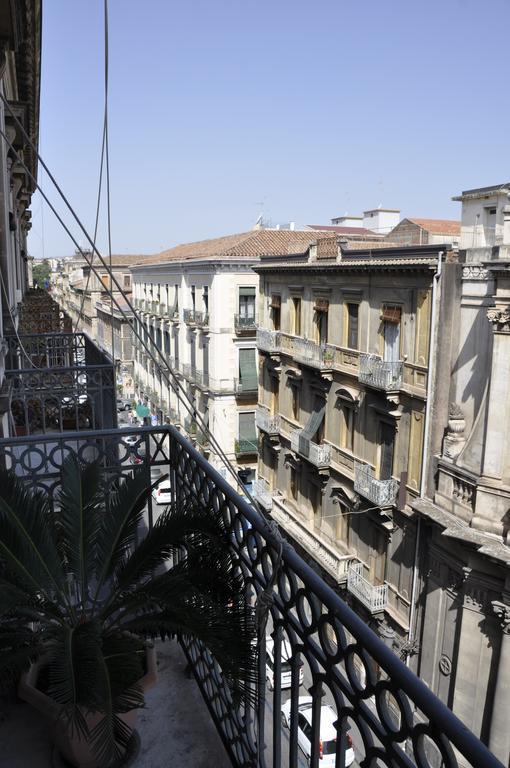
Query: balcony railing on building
(59, 381)
(195, 318)
(380, 492)
(318, 454)
(375, 598)
(246, 444)
(246, 386)
(310, 353)
(245, 324)
(324, 632)
(39, 313)
(379, 373)
(262, 493)
(267, 422)
(268, 341)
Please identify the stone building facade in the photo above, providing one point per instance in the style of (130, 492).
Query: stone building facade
(384, 415)
(425, 232)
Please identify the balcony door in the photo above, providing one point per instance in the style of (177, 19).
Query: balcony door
(247, 305)
(391, 342)
(386, 450)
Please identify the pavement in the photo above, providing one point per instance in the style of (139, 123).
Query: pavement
(175, 727)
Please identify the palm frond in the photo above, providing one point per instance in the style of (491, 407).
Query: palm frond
(79, 501)
(26, 546)
(19, 646)
(119, 525)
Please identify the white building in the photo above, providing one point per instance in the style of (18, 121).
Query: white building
(198, 303)
(483, 219)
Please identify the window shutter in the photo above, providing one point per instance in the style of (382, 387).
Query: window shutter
(321, 305)
(248, 369)
(391, 314)
(276, 301)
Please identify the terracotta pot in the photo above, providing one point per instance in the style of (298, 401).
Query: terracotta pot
(73, 748)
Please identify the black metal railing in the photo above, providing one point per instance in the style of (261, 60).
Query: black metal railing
(381, 713)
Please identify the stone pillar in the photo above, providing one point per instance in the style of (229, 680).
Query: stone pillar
(492, 498)
(499, 739)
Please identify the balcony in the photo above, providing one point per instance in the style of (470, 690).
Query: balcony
(246, 446)
(268, 341)
(196, 319)
(318, 454)
(372, 597)
(379, 373)
(325, 634)
(246, 386)
(69, 386)
(244, 325)
(310, 353)
(41, 314)
(383, 493)
(262, 493)
(267, 422)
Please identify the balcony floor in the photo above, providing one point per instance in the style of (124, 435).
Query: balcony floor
(175, 728)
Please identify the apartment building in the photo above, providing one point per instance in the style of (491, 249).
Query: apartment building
(84, 296)
(384, 416)
(198, 305)
(425, 232)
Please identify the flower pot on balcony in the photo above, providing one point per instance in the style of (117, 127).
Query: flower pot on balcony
(73, 747)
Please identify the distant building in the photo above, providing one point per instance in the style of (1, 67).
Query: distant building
(425, 232)
(381, 220)
(484, 213)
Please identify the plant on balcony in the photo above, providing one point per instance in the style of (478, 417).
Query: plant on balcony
(83, 590)
(328, 357)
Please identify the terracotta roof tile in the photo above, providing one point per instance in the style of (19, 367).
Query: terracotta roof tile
(348, 231)
(438, 226)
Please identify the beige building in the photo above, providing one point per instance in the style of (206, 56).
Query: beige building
(425, 232)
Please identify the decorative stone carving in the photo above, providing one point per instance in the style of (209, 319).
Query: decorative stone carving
(474, 272)
(500, 318)
(502, 611)
(454, 439)
(445, 665)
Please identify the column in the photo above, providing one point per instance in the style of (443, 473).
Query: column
(499, 739)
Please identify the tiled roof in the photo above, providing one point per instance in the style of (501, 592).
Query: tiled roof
(246, 245)
(120, 259)
(340, 230)
(438, 226)
(362, 245)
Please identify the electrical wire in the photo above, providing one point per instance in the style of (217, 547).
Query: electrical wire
(107, 156)
(161, 366)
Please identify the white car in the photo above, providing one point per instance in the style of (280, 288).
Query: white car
(286, 669)
(328, 732)
(161, 494)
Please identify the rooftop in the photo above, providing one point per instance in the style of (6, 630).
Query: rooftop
(348, 231)
(437, 226)
(483, 191)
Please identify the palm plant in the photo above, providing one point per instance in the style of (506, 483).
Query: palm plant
(81, 589)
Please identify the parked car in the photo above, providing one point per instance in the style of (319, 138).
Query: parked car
(328, 732)
(162, 494)
(123, 404)
(286, 669)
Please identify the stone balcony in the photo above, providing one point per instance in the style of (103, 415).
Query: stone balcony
(194, 318)
(379, 373)
(318, 454)
(268, 341)
(267, 422)
(375, 598)
(383, 493)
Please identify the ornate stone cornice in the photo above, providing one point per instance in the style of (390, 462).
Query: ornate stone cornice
(500, 318)
(502, 611)
(474, 272)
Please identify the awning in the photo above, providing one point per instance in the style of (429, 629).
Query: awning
(247, 290)
(310, 429)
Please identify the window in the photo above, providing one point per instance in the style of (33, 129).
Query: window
(318, 412)
(296, 315)
(127, 281)
(247, 304)
(248, 375)
(391, 333)
(193, 298)
(275, 395)
(105, 279)
(295, 401)
(321, 324)
(205, 297)
(247, 432)
(347, 426)
(352, 325)
(275, 305)
(386, 448)
(293, 483)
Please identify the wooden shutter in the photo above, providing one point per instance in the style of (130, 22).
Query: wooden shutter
(391, 314)
(423, 306)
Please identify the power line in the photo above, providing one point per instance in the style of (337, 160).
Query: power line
(175, 384)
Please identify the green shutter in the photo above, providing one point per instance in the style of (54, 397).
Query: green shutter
(247, 291)
(248, 370)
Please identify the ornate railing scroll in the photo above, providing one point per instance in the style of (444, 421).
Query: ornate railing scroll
(382, 709)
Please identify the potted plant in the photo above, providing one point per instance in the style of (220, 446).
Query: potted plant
(83, 590)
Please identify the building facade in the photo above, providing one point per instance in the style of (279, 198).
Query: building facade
(384, 448)
(198, 306)
(425, 232)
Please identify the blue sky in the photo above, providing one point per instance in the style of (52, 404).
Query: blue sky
(315, 108)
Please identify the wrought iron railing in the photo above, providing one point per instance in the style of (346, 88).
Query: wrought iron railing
(373, 597)
(194, 317)
(388, 714)
(267, 422)
(243, 324)
(380, 492)
(244, 445)
(379, 373)
(318, 454)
